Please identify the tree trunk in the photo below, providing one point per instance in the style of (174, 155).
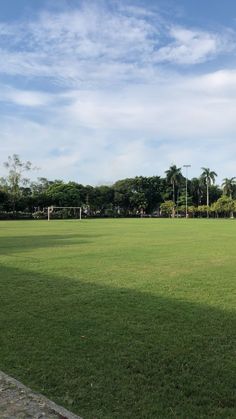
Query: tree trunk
(207, 200)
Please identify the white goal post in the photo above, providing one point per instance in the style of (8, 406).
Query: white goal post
(52, 208)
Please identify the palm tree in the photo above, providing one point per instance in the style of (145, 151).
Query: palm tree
(228, 186)
(174, 177)
(208, 177)
(196, 190)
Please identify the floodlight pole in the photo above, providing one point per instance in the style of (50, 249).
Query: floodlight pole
(186, 188)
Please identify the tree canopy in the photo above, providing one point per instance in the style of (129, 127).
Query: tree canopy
(127, 197)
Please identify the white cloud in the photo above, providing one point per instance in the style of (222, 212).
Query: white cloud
(176, 107)
(24, 97)
(193, 46)
(91, 46)
(74, 47)
(116, 112)
(100, 136)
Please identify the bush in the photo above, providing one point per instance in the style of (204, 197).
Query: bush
(15, 215)
(167, 208)
(39, 215)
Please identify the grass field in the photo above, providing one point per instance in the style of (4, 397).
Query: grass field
(122, 318)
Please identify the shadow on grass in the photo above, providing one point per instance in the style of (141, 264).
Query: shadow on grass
(115, 353)
(16, 244)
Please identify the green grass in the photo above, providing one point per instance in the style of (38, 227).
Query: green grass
(122, 318)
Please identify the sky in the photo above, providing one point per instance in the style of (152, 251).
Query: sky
(96, 91)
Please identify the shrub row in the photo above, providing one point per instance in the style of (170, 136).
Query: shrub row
(15, 215)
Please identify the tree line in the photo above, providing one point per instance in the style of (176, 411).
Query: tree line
(139, 196)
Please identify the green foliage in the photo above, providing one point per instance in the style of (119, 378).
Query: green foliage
(15, 178)
(196, 190)
(167, 208)
(15, 215)
(182, 199)
(208, 178)
(174, 178)
(62, 194)
(5, 199)
(229, 186)
(203, 210)
(39, 215)
(192, 210)
(225, 205)
(138, 196)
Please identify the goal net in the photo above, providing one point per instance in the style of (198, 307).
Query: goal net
(64, 213)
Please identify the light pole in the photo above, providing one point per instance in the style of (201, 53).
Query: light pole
(186, 188)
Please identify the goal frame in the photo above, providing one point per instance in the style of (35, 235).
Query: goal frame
(51, 209)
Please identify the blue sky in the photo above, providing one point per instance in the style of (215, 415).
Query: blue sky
(96, 91)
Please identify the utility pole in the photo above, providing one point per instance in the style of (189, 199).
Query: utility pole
(186, 188)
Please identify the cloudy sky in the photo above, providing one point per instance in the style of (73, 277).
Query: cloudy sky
(96, 91)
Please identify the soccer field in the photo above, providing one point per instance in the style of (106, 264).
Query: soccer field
(122, 318)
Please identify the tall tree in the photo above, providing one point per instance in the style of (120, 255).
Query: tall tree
(196, 190)
(225, 205)
(208, 178)
(174, 177)
(228, 186)
(15, 178)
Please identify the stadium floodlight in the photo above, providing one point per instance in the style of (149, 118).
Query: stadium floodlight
(52, 208)
(186, 189)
